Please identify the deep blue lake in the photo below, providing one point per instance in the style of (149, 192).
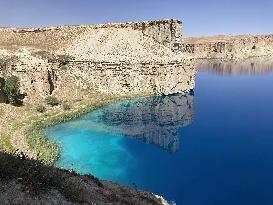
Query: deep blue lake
(211, 147)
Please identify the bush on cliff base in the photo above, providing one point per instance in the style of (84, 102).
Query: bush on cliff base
(40, 108)
(53, 101)
(11, 89)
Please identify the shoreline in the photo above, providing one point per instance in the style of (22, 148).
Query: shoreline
(47, 150)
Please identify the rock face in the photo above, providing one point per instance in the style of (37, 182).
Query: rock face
(125, 58)
(120, 58)
(228, 47)
(127, 78)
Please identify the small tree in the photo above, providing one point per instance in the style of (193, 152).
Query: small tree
(11, 89)
(40, 108)
(53, 101)
(66, 106)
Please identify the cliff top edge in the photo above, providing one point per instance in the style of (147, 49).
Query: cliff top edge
(102, 25)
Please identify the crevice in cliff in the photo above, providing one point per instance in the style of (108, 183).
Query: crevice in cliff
(50, 81)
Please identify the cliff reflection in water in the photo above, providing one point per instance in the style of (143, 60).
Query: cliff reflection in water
(154, 120)
(251, 66)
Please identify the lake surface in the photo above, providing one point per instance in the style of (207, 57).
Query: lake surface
(208, 148)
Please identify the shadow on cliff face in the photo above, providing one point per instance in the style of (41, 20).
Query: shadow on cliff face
(250, 66)
(154, 120)
(24, 181)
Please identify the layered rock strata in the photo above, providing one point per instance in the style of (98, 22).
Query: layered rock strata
(122, 59)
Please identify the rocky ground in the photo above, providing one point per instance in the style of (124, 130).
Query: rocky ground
(115, 45)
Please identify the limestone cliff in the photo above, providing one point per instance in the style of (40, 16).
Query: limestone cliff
(149, 57)
(125, 58)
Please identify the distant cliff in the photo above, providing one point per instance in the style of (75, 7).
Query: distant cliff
(228, 47)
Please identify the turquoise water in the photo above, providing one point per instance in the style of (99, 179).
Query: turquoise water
(211, 147)
(98, 142)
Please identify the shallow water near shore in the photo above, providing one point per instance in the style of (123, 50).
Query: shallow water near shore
(211, 147)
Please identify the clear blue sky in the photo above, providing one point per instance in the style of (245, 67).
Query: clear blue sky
(200, 17)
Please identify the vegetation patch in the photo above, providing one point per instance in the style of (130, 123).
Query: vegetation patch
(37, 178)
(45, 55)
(8, 60)
(52, 101)
(47, 151)
(26, 124)
(5, 143)
(11, 89)
(66, 106)
(40, 108)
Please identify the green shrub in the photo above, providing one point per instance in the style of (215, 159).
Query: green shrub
(47, 151)
(42, 54)
(40, 108)
(66, 106)
(11, 89)
(53, 101)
